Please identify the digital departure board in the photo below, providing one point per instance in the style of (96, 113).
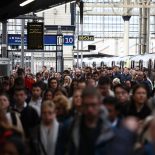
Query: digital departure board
(35, 34)
(85, 38)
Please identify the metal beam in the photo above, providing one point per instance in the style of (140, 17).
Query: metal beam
(34, 51)
(13, 9)
(118, 13)
(29, 17)
(118, 5)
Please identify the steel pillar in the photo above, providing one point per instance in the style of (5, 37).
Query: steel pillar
(144, 31)
(22, 43)
(126, 34)
(4, 40)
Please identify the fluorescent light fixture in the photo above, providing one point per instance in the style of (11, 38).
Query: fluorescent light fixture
(26, 2)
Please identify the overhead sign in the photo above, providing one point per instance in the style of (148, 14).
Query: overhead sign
(85, 38)
(35, 33)
(68, 40)
(91, 47)
(15, 39)
(49, 40)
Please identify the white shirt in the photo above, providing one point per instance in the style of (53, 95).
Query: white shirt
(36, 105)
(114, 123)
(49, 137)
(45, 81)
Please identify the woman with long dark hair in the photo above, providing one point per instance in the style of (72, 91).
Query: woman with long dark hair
(139, 103)
(73, 86)
(48, 95)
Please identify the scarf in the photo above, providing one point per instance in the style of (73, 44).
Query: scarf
(49, 137)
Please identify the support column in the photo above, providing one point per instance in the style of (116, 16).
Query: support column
(148, 30)
(116, 46)
(144, 31)
(32, 62)
(126, 34)
(22, 43)
(82, 46)
(59, 51)
(140, 31)
(4, 40)
(126, 19)
(43, 58)
(78, 21)
(81, 22)
(43, 54)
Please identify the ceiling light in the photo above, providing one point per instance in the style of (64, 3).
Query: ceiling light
(26, 2)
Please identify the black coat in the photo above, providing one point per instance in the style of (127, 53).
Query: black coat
(36, 144)
(132, 111)
(108, 142)
(29, 119)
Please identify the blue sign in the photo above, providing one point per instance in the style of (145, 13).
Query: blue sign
(69, 40)
(49, 40)
(15, 39)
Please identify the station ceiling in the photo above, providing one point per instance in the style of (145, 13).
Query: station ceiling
(11, 8)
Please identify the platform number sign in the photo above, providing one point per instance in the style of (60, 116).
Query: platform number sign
(68, 40)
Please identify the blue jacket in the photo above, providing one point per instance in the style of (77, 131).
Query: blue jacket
(149, 149)
(125, 77)
(116, 75)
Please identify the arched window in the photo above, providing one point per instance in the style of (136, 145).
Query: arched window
(102, 63)
(140, 64)
(132, 64)
(83, 64)
(149, 67)
(113, 63)
(122, 64)
(150, 64)
(94, 64)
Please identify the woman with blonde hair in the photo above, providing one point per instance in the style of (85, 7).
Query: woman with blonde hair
(62, 107)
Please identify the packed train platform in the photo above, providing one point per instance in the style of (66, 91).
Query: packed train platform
(77, 77)
(89, 111)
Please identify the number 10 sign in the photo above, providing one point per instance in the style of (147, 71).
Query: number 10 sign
(68, 40)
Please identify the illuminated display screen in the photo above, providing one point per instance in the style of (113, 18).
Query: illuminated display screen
(35, 34)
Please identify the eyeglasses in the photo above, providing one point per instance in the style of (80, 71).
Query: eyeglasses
(86, 106)
(121, 92)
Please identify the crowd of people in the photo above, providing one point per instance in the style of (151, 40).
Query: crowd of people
(88, 111)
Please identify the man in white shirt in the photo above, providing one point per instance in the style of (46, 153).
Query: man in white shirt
(36, 98)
